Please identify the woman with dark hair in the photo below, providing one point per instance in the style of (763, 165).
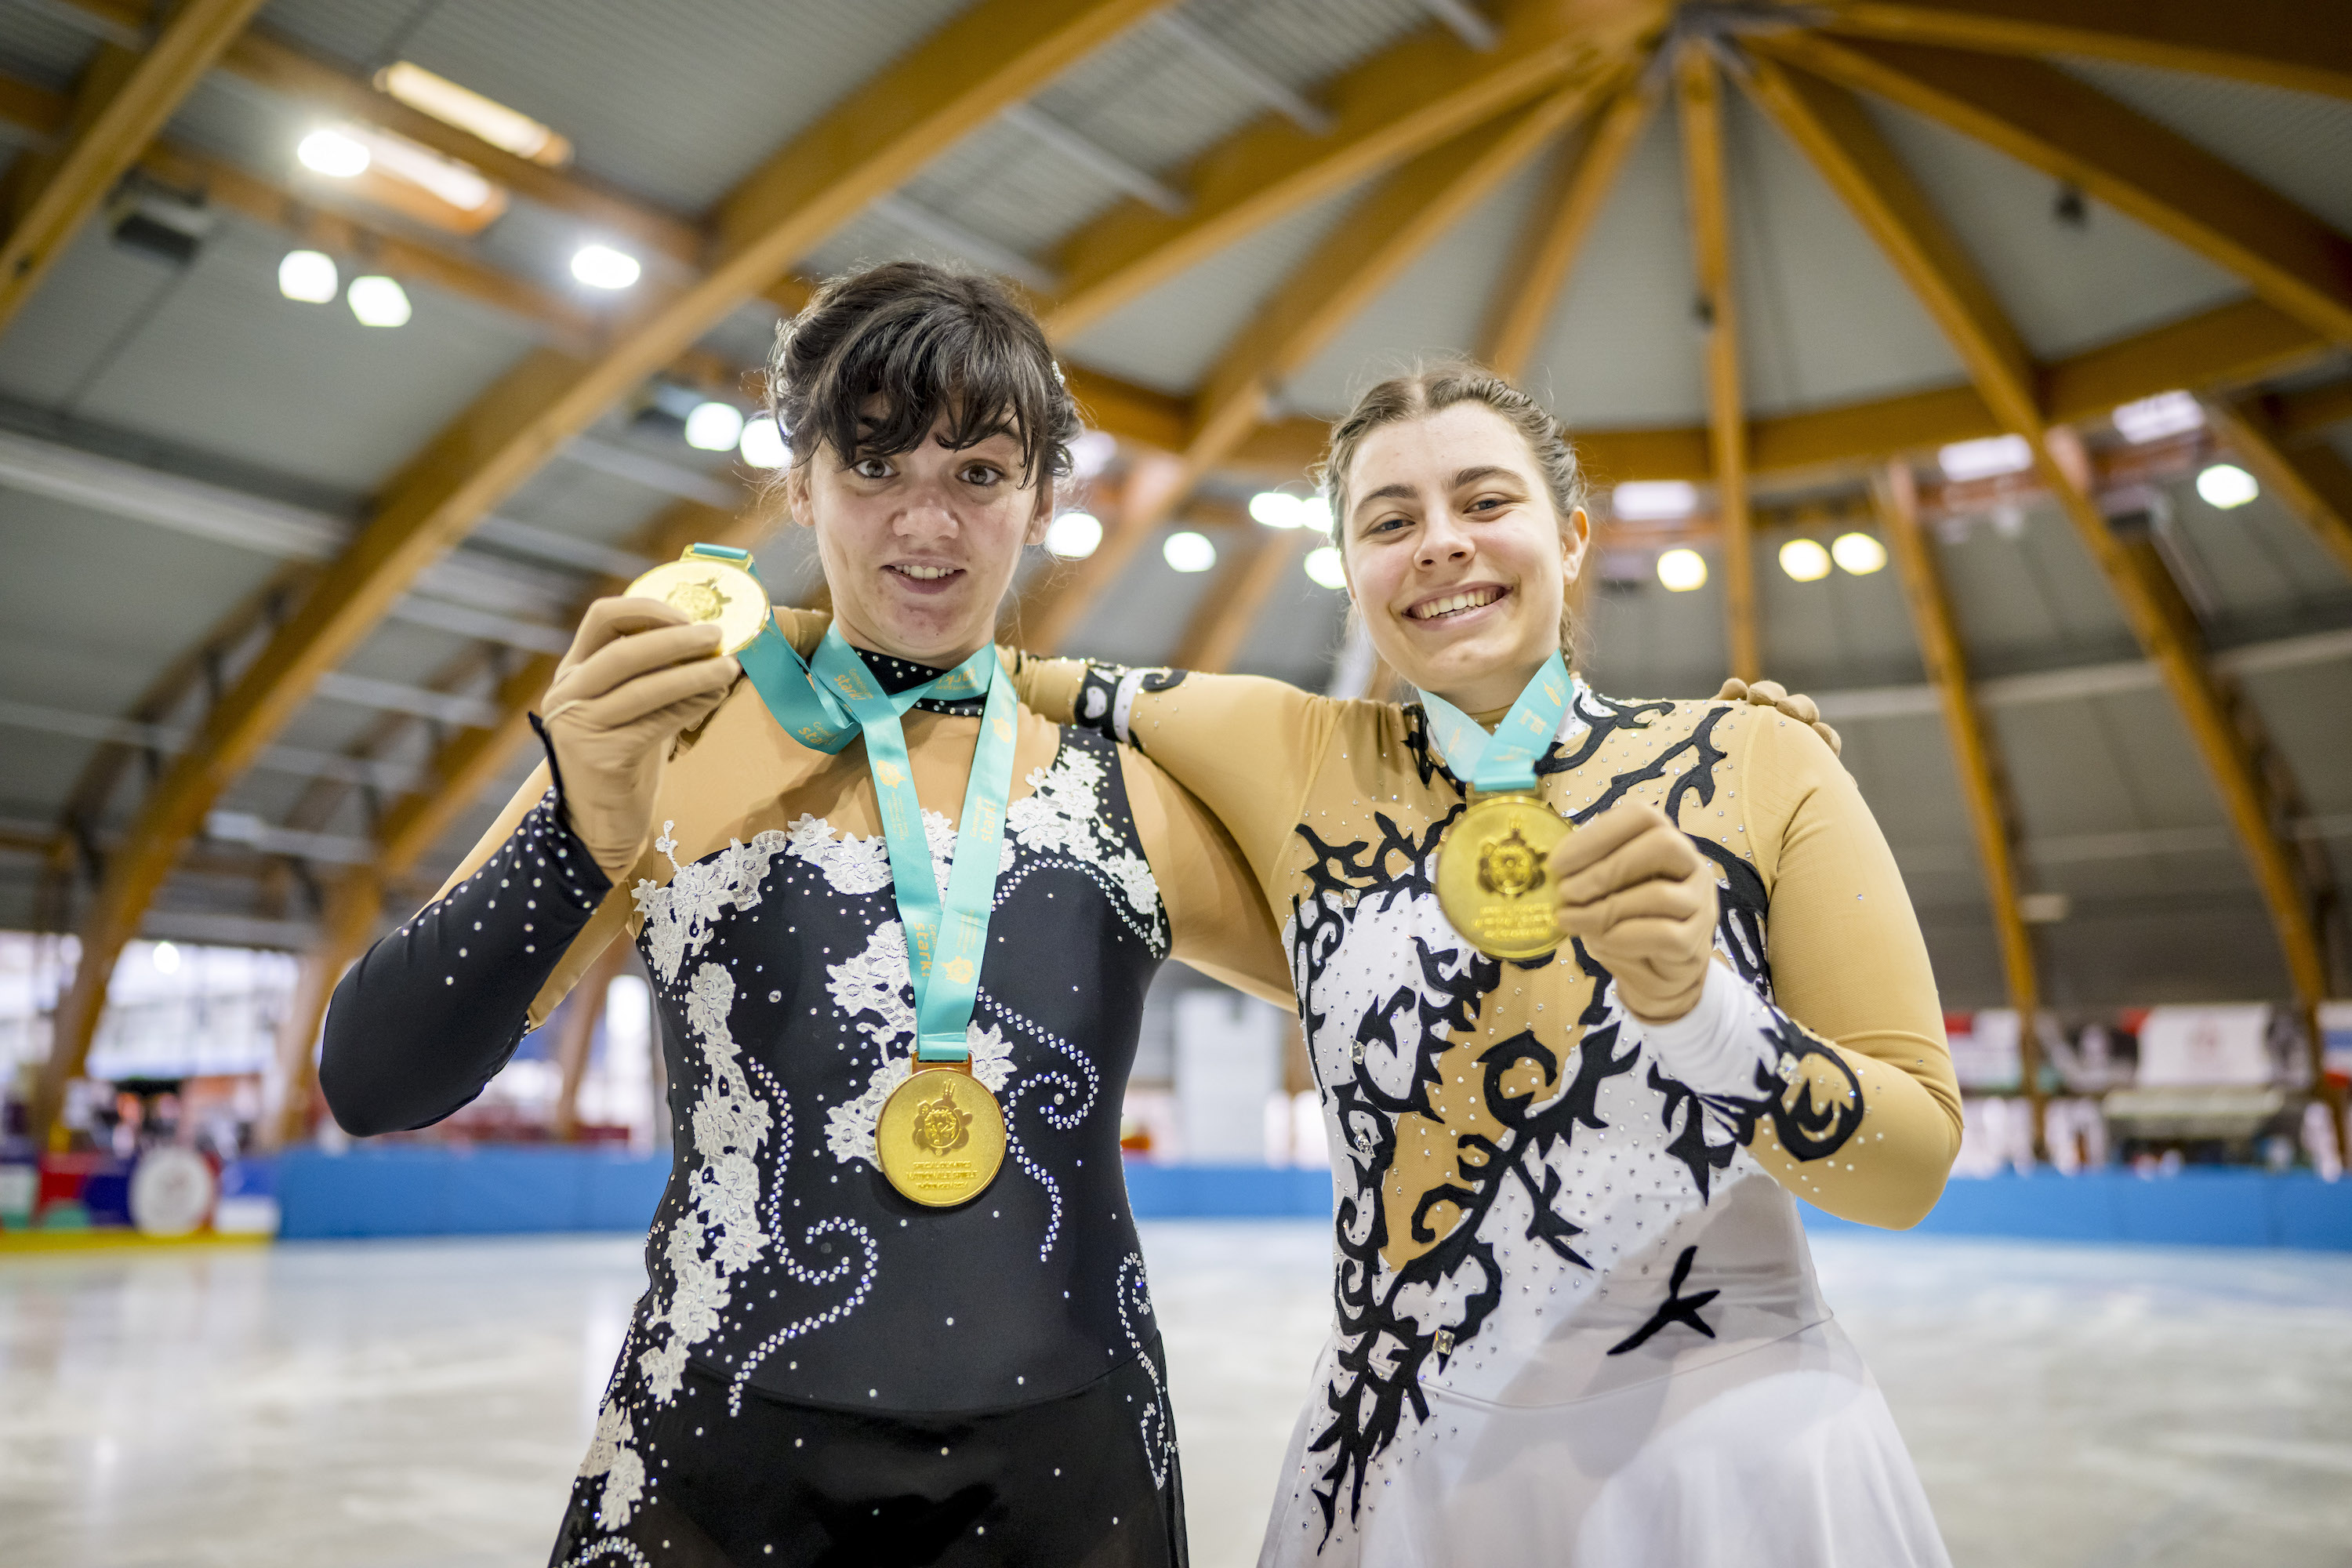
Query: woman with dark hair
(1570, 1094)
(863, 1343)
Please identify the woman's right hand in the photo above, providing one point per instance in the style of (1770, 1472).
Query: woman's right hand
(637, 673)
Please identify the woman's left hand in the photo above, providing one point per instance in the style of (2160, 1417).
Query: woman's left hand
(1642, 900)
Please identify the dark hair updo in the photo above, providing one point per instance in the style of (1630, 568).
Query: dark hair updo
(918, 342)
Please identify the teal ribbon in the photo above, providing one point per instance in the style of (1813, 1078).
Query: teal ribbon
(1505, 760)
(825, 703)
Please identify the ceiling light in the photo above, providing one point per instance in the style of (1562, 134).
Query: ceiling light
(1189, 552)
(1860, 553)
(2226, 486)
(762, 445)
(2154, 418)
(378, 302)
(1074, 535)
(308, 276)
(335, 153)
(1986, 458)
(602, 267)
(1275, 509)
(1681, 570)
(1653, 500)
(1324, 567)
(164, 957)
(466, 109)
(1315, 512)
(714, 426)
(1805, 560)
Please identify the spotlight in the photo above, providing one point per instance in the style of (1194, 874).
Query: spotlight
(1652, 501)
(308, 276)
(602, 267)
(1681, 570)
(166, 958)
(1315, 512)
(1074, 535)
(338, 154)
(378, 302)
(2226, 486)
(1323, 566)
(1860, 553)
(714, 426)
(763, 445)
(1805, 560)
(1275, 509)
(1189, 552)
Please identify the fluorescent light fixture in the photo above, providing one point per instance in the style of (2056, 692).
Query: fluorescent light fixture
(1805, 560)
(461, 184)
(466, 109)
(1681, 570)
(1323, 566)
(333, 153)
(714, 426)
(1986, 458)
(1860, 553)
(1189, 552)
(2226, 486)
(762, 445)
(2154, 418)
(1091, 453)
(1653, 500)
(1074, 535)
(602, 267)
(378, 302)
(308, 276)
(164, 957)
(1275, 509)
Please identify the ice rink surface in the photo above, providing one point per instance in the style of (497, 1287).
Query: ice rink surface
(402, 1405)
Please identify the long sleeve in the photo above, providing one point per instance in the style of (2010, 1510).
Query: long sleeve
(1864, 1117)
(1217, 918)
(1249, 748)
(431, 1013)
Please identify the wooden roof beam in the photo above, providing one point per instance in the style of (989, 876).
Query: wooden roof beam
(2275, 43)
(1556, 231)
(1699, 95)
(2072, 132)
(994, 54)
(1401, 102)
(1220, 622)
(122, 102)
(1837, 134)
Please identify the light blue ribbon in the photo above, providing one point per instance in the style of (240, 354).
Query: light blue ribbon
(830, 701)
(1505, 760)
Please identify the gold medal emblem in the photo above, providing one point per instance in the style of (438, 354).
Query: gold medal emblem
(1492, 877)
(709, 590)
(941, 1137)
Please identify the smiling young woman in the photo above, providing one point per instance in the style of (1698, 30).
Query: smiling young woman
(845, 1356)
(1577, 1321)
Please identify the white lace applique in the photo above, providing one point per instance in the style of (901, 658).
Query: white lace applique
(875, 981)
(731, 1124)
(613, 1454)
(849, 1129)
(1064, 816)
(861, 865)
(679, 919)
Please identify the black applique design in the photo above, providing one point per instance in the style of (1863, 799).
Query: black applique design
(1097, 705)
(1676, 1308)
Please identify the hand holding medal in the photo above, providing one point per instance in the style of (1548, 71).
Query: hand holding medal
(1642, 898)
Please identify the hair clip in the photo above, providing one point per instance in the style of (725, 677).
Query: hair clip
(1059, 379)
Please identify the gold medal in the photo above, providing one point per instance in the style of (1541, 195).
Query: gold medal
(709, 589)
(1493, 876)
(940, 1136)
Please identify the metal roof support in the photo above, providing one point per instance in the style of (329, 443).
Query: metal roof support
(1393, 106)
(968, 243)
(1699, 92)
(2273, 42)
(1382, 235)
(1837, 134)
(1222, 622)
(1246, 73)
(1976, 756)
(1079, 148)
(2309, 478)
(2070, 130)
(123, 101)
(1465, 22)
(1556, 230)
(993, 54)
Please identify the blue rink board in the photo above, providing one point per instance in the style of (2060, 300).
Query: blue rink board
(429, 1189)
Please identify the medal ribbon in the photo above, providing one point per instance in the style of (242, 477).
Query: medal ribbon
(1505, 760)
(829, 701)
